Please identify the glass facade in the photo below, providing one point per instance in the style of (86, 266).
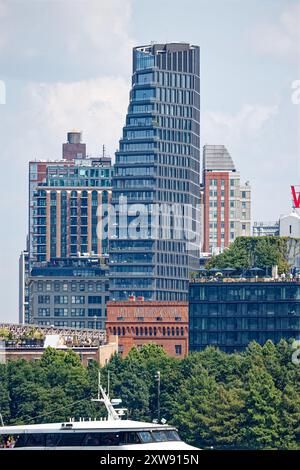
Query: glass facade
(158, 163)
(230, 315)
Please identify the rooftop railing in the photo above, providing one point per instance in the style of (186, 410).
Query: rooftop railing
(208, 279)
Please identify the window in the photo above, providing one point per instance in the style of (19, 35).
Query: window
(44, 312)
(77, 324)
(178, 349)
(60, 312)
(60, 299)
(145, 437)
(77, 299)
(77, 312)
(44, 299)
(94, 312)
(94, 299)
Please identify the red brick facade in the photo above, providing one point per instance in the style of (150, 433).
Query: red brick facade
(219, 176)
(139, 322)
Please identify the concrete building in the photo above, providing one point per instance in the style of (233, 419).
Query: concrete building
(289, 225)
(23, 287)
(227, 203)
(158, 166)
(231, 314)
(139, 322)
(265, 229)
(69, 293)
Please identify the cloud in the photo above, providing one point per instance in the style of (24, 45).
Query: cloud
(65, 40)
(95, 106)
(236, 129)
(65, 64)
(282, 39)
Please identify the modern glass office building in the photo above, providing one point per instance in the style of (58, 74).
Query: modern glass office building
(157, 170)
(229, 315)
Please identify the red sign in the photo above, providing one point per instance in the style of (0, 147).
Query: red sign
(296, 197)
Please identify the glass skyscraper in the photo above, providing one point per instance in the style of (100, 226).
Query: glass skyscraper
(154, 230)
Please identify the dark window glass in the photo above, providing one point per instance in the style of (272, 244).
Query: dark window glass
(35, 440)
(160, 436)
(172, 435)
(145, 436)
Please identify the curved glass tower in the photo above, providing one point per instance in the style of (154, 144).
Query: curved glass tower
(154, 236)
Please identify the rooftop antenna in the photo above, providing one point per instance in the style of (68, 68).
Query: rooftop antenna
(103, 151)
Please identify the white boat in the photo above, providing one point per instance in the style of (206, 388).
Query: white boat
(112, 433)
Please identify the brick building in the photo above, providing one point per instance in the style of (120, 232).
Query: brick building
(138, 322)
(227, 203)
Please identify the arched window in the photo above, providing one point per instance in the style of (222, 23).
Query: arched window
(104, 197)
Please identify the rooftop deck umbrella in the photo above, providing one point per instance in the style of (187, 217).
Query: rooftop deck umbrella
(255, 270)
(201, 270)
(214, 270)
(228, 270)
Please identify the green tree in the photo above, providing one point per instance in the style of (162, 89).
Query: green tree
(262, 402)
(4, 394)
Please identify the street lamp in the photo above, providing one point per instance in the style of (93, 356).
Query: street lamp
(157, 378)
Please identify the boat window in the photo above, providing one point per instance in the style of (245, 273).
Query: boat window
(20, 440)
(70, 438)
(93, 439)
(172, 435)
(35, 440)
(8, 441)
(101, 439)
(145, 436)
(129, 438)
(52, 439)
(160, 436)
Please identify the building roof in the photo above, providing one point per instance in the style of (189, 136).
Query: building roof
(293, 214)
(217, 158)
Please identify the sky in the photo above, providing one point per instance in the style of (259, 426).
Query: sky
(66, 64)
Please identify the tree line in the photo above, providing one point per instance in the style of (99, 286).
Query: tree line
(247, 400)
